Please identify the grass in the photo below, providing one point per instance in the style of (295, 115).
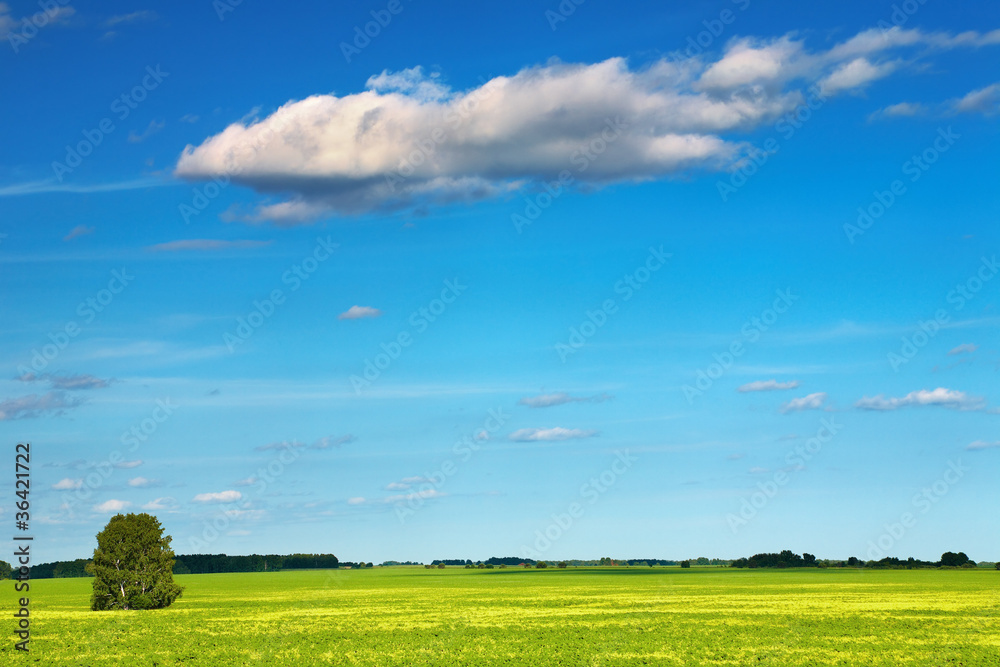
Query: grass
(585, 616)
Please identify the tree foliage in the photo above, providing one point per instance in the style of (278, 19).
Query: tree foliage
(133, 565)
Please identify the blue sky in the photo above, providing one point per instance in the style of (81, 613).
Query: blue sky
(497, 283)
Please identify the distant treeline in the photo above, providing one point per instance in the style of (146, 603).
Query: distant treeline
(207, 563)
(788, 559)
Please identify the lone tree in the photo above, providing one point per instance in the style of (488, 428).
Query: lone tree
(133, 565)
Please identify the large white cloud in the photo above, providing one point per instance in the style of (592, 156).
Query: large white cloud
(409, 140)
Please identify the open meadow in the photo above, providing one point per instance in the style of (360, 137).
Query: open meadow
(579, 616)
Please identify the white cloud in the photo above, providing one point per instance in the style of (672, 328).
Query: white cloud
(964, 348)
(219, 497)
(134, 17)
(127, 465)
(984, 100)
(424, 494)
(856, 74)
(68, 484)
(397, 486)
(359, 312)
(947, 398)
(982, 444)
(161, 504)
(561, 398)
(810, 402)
(112, 506)
(409, 140)
(358, 500)
(550, 434)
(901, 110)
(415, 480)
(249, 481)
(756, 470)
(142, 482)
(768, 385)
(151, 129)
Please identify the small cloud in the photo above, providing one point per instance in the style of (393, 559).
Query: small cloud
(128, 465)
(142, 482)
(758, 471)
(901, 110)
(941, 397)
(359, 312)
(416, 495)
(249, 481)
(79, 230)
(34, 406)
(151, 129)
(550, 434)
(189, 118)
(982, 444)
(135, 17)
(416, 480)
(112, 506)
(205, 245)
(768, 385)
(160, 504)
(984, 100)
(219, 497)
(358, 500)
(397, 486)
(963, 349)
(736, 457)
(810, 402)
(68, 484)
(482, 435)
(331, 441)
(279, 446)
(561, 398)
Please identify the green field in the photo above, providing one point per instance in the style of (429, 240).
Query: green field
(585, 616)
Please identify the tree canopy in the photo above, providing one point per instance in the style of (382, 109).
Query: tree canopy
(133, 565)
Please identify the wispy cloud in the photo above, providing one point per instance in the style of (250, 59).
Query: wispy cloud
(984, 100)
(68, 484)
(34, 406)
(51, 186)
(550, 434)
(550, 400)
(151, 129)
(184, 245)
(333, 441)
(964, 348)
(768, 385)
(942, 397)
(164, 504)
(901, 110)
(133, 17)
(279, 446)
(67, 382)
(359, 312)
(78, 231)
(982, 444)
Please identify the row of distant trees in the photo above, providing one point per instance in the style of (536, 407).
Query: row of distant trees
(788, 559)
